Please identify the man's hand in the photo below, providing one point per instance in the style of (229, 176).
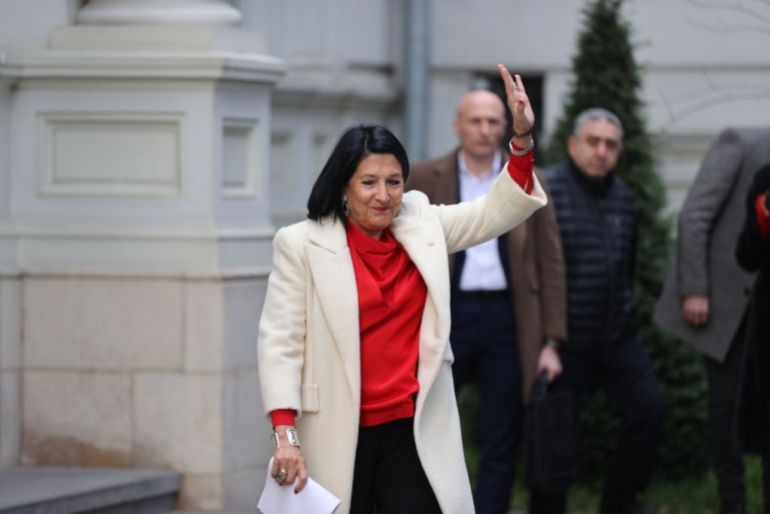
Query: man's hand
(549, 362)
(695, 309)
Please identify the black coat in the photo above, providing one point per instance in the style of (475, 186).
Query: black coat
(753, 254)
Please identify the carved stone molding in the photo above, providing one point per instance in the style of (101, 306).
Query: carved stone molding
(141, 12)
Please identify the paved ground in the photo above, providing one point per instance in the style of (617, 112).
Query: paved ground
(75, 489)
(67, 489)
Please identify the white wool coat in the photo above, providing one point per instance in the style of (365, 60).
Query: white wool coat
(309, 358)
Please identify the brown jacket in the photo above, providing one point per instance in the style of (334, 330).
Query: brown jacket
(536, 264)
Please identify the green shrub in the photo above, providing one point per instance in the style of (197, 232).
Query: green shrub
(606, 74)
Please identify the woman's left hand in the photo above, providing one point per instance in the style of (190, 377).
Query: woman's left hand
(288, 462)
(518, 101)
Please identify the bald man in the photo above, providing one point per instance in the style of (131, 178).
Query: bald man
(508, 296)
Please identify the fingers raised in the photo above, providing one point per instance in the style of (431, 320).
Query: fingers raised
(518, 102)
(507, 80)
(520, 83)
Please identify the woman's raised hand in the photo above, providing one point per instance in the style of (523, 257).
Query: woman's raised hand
(518, 102)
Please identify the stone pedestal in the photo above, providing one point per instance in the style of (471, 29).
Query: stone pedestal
(135, 235)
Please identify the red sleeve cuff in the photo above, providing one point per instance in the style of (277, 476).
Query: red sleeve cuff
(520, 169)
(763, 217)
(283, 417)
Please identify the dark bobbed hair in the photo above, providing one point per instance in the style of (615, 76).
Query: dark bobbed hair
(354, 145)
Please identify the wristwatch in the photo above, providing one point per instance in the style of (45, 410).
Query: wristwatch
(291, 435)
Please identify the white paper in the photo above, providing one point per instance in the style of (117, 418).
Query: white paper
(280, 499)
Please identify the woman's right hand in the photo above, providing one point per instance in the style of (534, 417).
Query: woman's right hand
(288, 459)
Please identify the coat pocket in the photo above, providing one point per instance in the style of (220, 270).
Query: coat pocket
(309, 396)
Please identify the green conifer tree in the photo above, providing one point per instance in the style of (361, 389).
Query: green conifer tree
(606, 75)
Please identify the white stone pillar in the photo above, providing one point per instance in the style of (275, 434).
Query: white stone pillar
(7, 256)
(10, 299)
(156, 25)
(138, 218)
(134, 12)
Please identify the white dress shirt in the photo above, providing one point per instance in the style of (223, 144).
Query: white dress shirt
(482, 269)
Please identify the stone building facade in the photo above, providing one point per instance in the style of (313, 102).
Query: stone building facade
(149, 149)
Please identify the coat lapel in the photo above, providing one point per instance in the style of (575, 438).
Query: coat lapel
(424, 243)
(335, 281)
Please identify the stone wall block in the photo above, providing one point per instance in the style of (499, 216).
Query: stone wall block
(203, 492)
(76, 418)
(203, 326)
(10, 414)
(178, 422)
(10, 324)
(244, 447)
(243, 305)
(241, 489)
(103, 324)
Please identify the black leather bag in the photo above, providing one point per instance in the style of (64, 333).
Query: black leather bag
(549, 432)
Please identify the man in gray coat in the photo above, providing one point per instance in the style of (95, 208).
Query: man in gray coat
(706, 293)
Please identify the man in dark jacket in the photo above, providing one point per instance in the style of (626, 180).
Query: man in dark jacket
(598, 223)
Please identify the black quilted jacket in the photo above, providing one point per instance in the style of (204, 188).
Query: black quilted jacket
(598, 223)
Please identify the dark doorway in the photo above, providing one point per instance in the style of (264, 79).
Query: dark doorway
(533, 83)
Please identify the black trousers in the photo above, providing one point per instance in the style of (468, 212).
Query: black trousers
(388, 474)
(738, 419)
(624, 372)
(484, 345)
(725, 386)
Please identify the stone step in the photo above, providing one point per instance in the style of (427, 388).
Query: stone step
(66, 490)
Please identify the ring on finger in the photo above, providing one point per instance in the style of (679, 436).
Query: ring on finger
(281, 475)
